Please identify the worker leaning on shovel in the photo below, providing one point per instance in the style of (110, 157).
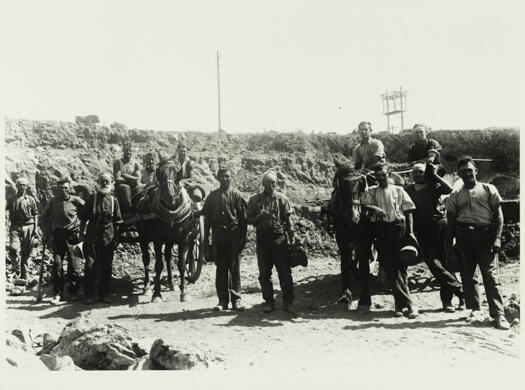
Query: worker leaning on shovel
(61, 227)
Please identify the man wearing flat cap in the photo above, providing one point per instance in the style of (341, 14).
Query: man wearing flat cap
(23, 215)
(60, 221)
(430, 225)
(270, 212)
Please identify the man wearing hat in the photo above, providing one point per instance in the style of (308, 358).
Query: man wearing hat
(430, 226)
(100, 219)
(370, 151)
(392, 223)
(270, 213)
(225, 212)
(126, 172)
(60, 221)
(23, 215)
(423, 149)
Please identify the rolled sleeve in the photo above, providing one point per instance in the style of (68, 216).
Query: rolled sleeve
(451, 202)
(286, 207)
(406, 202)
(494, 197)
(378, 149)
(355, 156)
(117, 217)
(436, 146)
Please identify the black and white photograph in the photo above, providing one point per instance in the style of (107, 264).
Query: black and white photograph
(262, 191)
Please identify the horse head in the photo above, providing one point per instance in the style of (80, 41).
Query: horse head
(349, 184)
(169, 184)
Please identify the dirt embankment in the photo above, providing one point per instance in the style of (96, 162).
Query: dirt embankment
(44, 151)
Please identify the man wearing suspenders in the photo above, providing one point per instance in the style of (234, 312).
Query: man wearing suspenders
(100, 219)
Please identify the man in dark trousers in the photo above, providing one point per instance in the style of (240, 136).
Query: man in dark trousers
(101, 214)
(270, 212)
(225, 212)
(475, 218)
(392, 208)
(431, 226)
(23, 217)
(60, 222)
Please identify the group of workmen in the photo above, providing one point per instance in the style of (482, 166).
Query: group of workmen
(471, 214)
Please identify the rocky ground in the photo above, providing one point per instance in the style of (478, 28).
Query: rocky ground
(323, 334)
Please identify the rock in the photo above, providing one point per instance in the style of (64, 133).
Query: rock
(143, 364)
(94, 346)
(87, 120)
(143, 346)
(14, 342)
(55, 363)
(512, 311)
(49, 341)
(169, 358)
(24, 335)
(22, 359)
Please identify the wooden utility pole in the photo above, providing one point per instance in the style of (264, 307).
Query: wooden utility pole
(218, 91)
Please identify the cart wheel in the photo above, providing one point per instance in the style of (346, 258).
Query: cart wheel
(195, 256)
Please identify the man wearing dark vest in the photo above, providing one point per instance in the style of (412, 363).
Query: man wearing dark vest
(225, 212)
(101, 214)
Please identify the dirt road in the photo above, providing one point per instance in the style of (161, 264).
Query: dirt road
(322, 335)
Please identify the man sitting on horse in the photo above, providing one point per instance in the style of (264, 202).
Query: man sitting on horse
(389, 208)
(126, 172)
(370, 151)
(148, 176)
(424, 149)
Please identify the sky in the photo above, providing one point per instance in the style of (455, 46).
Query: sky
(285, 65)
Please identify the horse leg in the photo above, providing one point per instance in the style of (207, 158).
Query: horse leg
(346, 256)
(144, 247)
(181, 265)
(167, 254)
(157, 297)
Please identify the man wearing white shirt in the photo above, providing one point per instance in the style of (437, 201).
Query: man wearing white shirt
(392, 209)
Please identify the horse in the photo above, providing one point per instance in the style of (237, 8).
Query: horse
(173, 226)
(345, 213)
(352, 228)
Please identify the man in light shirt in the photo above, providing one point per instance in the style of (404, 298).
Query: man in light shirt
(370, 151)
(475, 218)
(392, 209)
